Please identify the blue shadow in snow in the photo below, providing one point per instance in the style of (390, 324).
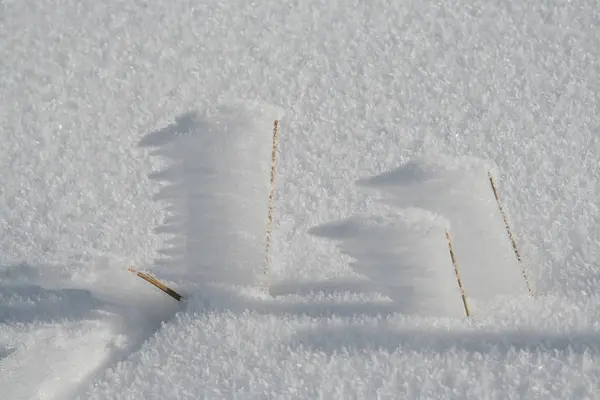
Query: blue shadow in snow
(22, 301)
(5, 352)
(22, 304)
(356, 337)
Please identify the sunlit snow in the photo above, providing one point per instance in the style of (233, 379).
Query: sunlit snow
(139, 133)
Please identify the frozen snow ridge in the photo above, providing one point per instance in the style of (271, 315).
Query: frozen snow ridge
(403, 255)
(405, 252)
(217, 191)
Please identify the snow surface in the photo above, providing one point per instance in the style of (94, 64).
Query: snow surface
(371, 91)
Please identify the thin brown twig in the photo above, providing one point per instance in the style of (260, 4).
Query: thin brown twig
(457, 273)
(269, 232)
(510, 236)
(155, 282)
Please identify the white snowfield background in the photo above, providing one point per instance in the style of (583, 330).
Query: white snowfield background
(138, 133)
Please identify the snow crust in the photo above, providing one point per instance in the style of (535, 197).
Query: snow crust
(369, 89)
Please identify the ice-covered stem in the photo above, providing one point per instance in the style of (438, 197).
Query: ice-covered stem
(510, 236)
(155, 282)
(269, 231)
(457, 273)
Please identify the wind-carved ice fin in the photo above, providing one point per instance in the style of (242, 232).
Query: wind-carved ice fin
(216, 188)
(405, 255)
(460, 190)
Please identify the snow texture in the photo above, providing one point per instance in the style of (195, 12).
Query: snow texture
(397, 96)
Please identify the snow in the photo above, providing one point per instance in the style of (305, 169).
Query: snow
(217, 192)
(461, 191)
(392, 113)
(406, 257)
